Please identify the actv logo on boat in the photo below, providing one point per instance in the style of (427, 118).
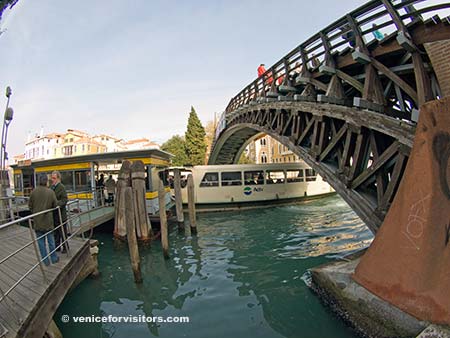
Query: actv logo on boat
(248, 191)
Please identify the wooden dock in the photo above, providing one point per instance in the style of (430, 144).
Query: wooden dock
(29, 307)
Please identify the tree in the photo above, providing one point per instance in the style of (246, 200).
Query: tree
(210, 130)
(195, 140)
(244, 159)
(176, 146)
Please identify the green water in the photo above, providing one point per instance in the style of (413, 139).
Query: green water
(243, 275)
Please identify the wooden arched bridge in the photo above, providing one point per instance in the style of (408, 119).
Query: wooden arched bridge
(347, 99)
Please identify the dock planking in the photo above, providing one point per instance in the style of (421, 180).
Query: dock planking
(29, 307)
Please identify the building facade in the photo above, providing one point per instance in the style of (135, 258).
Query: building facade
(76, 142)
(266, 149)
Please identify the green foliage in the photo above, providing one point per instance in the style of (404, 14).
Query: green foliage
(244, 159)
(195, 140)
(176, 146)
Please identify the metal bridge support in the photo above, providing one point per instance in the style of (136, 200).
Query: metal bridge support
(408, 263)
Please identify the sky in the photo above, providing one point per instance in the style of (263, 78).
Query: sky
(134, 68)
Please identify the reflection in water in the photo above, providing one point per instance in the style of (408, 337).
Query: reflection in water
(241, 276)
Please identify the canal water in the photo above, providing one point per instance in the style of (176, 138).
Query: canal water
(243, 275)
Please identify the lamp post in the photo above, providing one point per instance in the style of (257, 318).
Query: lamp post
(9, 112)
(4, 179)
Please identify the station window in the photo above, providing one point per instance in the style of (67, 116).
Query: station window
(67, 180)
(231, 178)
(294, 176)
(210, 180)
(254, 177)
(18, 182)
(275, 177)
(310, 175)
(82, 180)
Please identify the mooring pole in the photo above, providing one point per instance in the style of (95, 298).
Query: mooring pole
(163, 219)
(131, 234)
(143, 225)
(191, 204)
(123, 181)
(178, 198)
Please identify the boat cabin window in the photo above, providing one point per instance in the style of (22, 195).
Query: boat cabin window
(310, 175)
(210, 180)
(67, 180)
(18, 182)
(254, 177)
(275, 177)
(231, 178)
(295, 176)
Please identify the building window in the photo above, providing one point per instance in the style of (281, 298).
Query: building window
(82, 148)
(68, 150)
(263, 158)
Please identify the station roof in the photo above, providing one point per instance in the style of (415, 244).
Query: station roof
(101, 158)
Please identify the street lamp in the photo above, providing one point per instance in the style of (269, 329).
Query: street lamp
(9, 112)
(4, 180)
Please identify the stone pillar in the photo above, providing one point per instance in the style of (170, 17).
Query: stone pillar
(408, 263)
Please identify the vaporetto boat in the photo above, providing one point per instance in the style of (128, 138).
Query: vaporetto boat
(245, 186)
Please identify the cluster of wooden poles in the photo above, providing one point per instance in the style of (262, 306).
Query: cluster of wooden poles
(132, 222)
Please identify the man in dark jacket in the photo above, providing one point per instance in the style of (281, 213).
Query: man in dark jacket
(61, 197)
(43, 198)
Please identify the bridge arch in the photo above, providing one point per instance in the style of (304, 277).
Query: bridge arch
(348, 102)
(362, 156)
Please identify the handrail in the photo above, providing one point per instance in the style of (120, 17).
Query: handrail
(3, 295)
(25, 218)
(373, 12)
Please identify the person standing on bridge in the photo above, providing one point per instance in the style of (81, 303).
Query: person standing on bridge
(261, 70)
(41, 199)
(61, 197)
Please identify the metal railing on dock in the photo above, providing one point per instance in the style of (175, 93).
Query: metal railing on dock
(23, 260)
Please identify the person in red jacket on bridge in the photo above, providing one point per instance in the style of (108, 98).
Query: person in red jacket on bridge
(262, 70)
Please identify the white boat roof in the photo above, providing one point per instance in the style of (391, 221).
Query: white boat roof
(265, 166)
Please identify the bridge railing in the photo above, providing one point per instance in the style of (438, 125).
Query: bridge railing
(74, 228)
(317, 55)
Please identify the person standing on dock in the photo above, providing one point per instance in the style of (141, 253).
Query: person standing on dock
(43, 198)
(110, 185)
(61, 197)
